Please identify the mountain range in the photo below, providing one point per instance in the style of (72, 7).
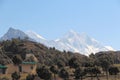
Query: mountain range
(71, 41)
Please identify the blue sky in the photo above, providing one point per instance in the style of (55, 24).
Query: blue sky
(53, 18)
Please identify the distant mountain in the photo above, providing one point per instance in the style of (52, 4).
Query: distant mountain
(75, 42)
(81, 43)
(14, 33)
(71, 41)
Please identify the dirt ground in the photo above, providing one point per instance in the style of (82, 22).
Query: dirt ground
(23, 76)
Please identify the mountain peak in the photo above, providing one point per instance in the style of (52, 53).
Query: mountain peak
(72, 32)
(13, 33)
(76, 36)
(11, 29)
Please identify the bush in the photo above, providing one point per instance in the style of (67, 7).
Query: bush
(64, 74)
(44, 73)
(15, 76)
(113, 70)
(30, 77)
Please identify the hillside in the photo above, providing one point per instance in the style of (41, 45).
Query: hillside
(44, 54)
(48, 57)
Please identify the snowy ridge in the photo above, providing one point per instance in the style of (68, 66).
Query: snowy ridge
(71, 41)
(34, 35)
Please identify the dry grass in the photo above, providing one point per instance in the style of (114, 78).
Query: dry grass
(23, 76)
(5, 75)
(117, 65)
(104, 78)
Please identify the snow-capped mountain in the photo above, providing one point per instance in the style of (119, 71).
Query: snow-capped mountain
(75, 42)
(36, 37)
(14, 33)
(40, 39)
(81, 43)
(71, 41)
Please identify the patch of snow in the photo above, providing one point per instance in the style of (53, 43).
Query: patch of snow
(109, 48)
(33, 34)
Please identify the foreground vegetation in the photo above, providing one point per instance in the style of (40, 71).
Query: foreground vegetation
(57, 65)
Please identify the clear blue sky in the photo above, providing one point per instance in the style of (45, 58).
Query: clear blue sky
(53, 18)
